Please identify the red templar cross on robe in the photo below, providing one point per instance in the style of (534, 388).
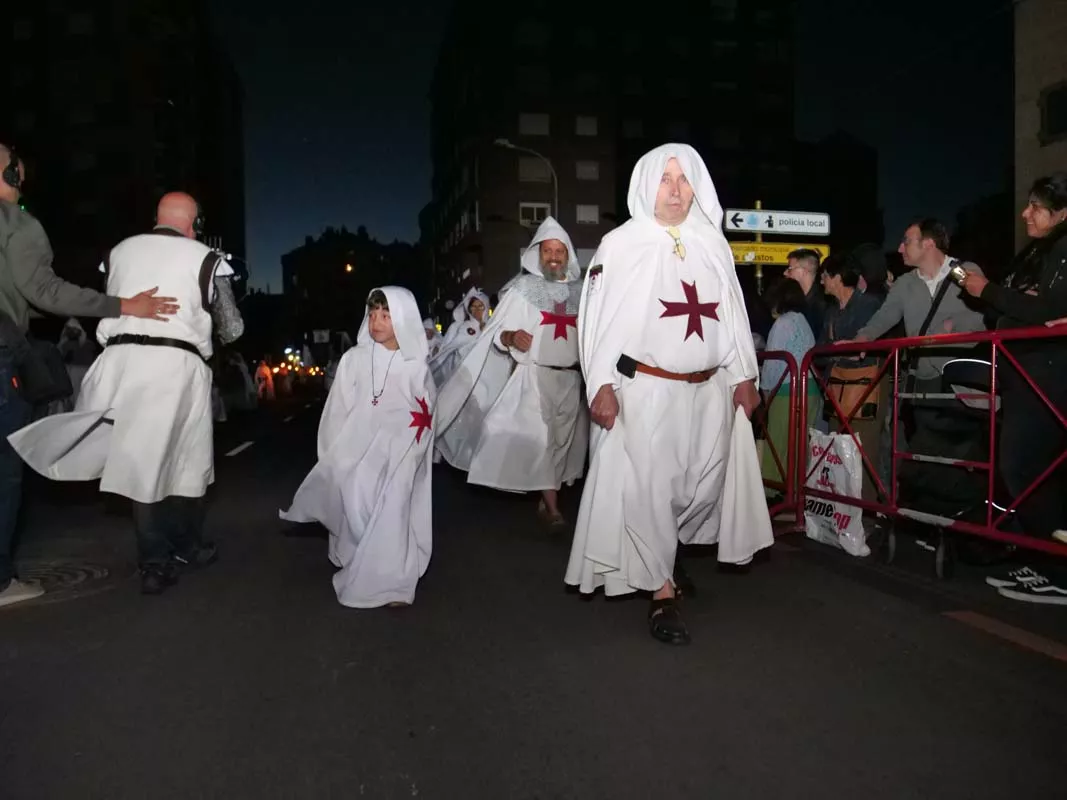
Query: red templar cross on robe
(691, 308)
(561, 319)
(421, 419)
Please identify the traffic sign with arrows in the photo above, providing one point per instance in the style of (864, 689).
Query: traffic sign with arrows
(754, 220)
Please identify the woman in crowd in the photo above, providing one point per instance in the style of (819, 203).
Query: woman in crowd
(789, 333)
(1031, 438)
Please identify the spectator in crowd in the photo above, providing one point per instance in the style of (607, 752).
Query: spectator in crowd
(790, 333)
(1031, 437)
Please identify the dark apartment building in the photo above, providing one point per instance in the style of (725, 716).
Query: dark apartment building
(111, 104)
(513, 89)
(838, 175)
(327, 279)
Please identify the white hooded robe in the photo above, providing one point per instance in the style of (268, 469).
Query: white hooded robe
(516, 421)
(371, 487)
(459, 338)
(680, 462)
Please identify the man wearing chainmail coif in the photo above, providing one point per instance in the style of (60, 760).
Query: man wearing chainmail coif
(513, 415)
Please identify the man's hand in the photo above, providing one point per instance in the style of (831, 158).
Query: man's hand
(1052, 323)
(605, 407)
(519, 340)
(974, 283)
(746, 397)
(147, 306)
(857, 340)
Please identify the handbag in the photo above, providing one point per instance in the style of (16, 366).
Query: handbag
(847, 385)
(43, 374)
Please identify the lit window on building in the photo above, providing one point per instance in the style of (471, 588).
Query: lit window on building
(587, 170)
(588, 214)
(585, 126)
(534, 213)
(633, 128)
(1054, 113)
(533, 170)
(533, 124)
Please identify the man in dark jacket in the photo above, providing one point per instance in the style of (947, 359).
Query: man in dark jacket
(28, 284)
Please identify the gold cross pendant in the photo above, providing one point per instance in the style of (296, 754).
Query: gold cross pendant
(679, 248)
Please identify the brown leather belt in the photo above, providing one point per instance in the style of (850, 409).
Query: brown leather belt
(629, 367)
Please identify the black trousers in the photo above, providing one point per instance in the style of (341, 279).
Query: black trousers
(1031, 438)
(173, 526)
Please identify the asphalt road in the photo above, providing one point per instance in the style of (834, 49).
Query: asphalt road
(814, 675)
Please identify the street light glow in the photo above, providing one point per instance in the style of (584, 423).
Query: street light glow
(348, 267)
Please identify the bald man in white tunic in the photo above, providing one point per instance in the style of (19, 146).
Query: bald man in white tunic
(670, 370)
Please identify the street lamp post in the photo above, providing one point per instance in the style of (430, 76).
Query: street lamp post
(552, 170)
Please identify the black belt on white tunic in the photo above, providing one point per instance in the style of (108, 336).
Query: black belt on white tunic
(571, 368)
(155, 341)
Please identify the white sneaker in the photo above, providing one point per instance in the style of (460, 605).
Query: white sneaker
(17, 591)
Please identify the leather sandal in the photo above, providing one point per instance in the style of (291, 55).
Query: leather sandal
(665, 622)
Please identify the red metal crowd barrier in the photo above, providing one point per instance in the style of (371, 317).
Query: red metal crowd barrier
(788, 485)
(890, 350)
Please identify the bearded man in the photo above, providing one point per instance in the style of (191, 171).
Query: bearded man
(512, 415)
(670, 372)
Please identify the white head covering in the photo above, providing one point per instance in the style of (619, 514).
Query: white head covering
(404, 312)
(429, 325)
(644, 184)
(550, 229)
(461, 312)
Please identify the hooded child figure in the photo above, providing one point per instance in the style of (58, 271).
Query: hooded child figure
(371, 485)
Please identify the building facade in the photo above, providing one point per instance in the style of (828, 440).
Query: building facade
(327, 280)
(113, 104)
(1040, 95)
(581, 97)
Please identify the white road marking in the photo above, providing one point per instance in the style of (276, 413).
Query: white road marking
(308, 405)
(240, 449)
(289, 418)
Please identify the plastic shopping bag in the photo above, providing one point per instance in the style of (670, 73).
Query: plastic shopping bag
(839, 472)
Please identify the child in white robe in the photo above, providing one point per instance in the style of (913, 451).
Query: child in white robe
(371, 485)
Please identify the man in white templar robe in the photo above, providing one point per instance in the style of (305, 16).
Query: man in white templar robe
(143, 423)
(371, 487)
(469, 319)
(524, 428)
(670, 371)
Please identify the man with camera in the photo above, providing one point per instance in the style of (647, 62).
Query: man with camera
(28, 285)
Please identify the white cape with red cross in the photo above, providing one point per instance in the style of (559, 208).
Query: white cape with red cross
(371, 487)
(680, 462)
(517, 421)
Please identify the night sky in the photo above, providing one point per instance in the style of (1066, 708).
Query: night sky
(337, 113)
